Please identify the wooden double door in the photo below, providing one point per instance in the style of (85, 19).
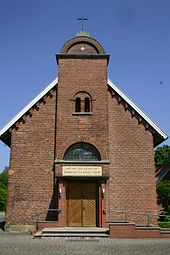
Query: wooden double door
(82, 204)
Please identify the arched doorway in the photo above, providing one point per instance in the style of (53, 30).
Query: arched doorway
(82, 192)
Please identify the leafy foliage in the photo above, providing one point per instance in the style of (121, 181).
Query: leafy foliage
(164, 224)
(163, 191)
(162, 155)
(3, 188)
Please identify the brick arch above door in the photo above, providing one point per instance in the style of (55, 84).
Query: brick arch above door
(62, 148)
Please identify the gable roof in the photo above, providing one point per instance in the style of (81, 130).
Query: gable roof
(137, 109)
(5, 130)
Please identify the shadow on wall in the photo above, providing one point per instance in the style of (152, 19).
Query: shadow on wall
(52, 214)
(2, 225)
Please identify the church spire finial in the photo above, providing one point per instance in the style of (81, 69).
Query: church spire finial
(82, 22)
(82, 32)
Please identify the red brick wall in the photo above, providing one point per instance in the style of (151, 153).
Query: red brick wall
(87, 75)
(30, 187)
(110, 128)
(130, 231)
(81, 75)
(131, 170)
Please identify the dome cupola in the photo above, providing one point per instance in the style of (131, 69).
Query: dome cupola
(82, 46)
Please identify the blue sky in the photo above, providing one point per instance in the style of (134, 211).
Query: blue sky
(134, 32)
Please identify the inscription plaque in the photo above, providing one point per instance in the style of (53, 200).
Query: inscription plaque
(82, 171)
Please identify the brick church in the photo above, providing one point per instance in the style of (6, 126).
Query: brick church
(81, 151)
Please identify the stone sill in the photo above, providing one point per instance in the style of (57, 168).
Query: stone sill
(82, 113)
(81, 177)
(99, 162)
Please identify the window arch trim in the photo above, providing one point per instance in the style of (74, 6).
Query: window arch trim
(83, 102)
(82, 152)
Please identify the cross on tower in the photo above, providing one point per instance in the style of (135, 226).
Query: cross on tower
(82, 22)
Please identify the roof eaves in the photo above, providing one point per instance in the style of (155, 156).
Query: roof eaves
(28, 107)
(110, 83)
(136, 108)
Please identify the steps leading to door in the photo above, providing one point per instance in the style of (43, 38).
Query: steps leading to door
(73, 232)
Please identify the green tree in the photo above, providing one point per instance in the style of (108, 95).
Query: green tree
(3, 188)
(162, 155)
(163, 192)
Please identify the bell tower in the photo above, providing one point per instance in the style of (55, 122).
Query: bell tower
(82, 125)
(82, 103)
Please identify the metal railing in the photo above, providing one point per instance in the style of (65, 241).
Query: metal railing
(126, 213)
(36, 218)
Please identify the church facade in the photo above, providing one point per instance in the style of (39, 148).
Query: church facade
(81, 151)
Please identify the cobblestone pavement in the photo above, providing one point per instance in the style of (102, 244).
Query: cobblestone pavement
(22, 244)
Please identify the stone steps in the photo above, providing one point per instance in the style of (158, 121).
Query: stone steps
(73, 232)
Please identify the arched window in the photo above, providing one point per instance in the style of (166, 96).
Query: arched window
(87, 104)
(78, 105)
(82, 152)
(83, 102)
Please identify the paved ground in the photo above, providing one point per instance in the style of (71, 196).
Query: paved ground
(20, 244)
